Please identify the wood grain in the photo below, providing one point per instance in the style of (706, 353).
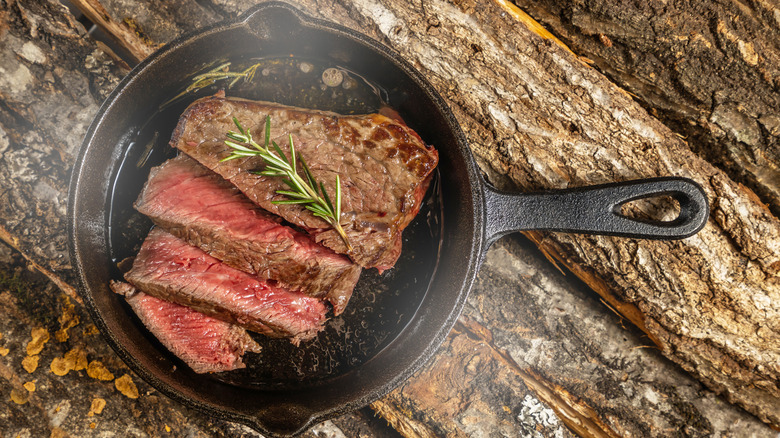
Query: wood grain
(125, 32)
(533, 340)
(537, 116)
(541, 117)
(53, 81)
(709, 70)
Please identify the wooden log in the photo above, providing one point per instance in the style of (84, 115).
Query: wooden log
(544, 119)
(709, 70)
(125, 33)
(532, 339)
(150, 25)
(53, 81)
(435, 22)
(597, 135)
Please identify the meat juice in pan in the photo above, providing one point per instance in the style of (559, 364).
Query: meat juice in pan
(381, 305)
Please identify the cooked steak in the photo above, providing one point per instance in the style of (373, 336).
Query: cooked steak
(170, 269)
(199, 206)
(206, 344)
(384, 166)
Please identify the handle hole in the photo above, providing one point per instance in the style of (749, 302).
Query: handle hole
(658, 208)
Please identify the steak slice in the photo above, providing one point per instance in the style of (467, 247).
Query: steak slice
(206, 344)
(199, 206)
(170, 269)
(384, 166)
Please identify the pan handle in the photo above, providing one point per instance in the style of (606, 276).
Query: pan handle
(596, 210)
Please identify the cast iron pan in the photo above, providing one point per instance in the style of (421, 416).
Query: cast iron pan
(396, 320)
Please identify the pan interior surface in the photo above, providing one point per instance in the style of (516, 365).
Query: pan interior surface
(394, 321)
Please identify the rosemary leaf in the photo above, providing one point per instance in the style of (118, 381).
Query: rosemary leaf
(279, 151)
(273, 160)
(232, 157)
(238, 147)
(292, 201)
(293, 194)
(237, 137)
(292, 155)
(327, 198)
(309, 176)
(338, 196)
(317, 210)
(272, 173)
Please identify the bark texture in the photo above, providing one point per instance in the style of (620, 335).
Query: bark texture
(541, 117)
(53, 80)
(150, 25)
(709, 70)
(531, 342)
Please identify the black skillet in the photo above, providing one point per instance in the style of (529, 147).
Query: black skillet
(395, 321)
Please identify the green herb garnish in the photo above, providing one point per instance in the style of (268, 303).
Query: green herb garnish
(302, 191)
(218, 73)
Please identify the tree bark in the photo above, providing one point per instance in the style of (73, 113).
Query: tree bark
(536, 117)
(544, 119)
(528, 335)
(597, 134)
(709, 70)
(52, 83)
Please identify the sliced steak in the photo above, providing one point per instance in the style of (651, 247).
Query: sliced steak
(199, 206)
(206, 344)
(384, 166)
(170, 269)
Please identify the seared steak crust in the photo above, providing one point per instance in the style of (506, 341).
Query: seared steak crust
(384, 166)
(170, 269)
(206, 344)
(199, 206)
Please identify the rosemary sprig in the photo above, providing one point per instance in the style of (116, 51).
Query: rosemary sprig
(218, 73)
(302, 191)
